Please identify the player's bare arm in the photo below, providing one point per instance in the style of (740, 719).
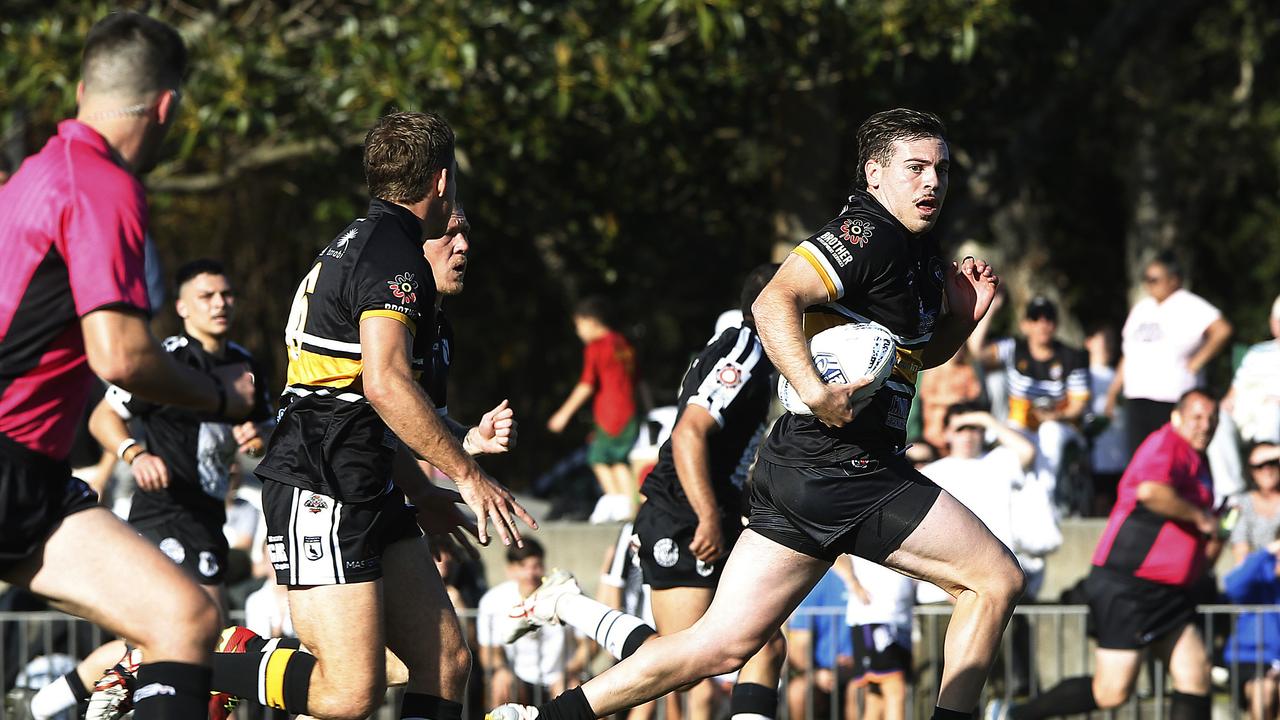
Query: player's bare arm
(401, 403)
(970, 288)
(109, 429)
(122, 351)
(689, 451)
(560, 420)
(779, 312)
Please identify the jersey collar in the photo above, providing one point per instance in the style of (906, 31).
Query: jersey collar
(867, 201)
(73, 130)
(411, 223)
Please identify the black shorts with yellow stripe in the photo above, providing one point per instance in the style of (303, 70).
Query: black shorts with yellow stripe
(316, 539)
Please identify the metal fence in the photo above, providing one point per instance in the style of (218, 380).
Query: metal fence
(1044, 644)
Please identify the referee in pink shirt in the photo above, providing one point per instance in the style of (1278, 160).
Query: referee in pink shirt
(73, 303)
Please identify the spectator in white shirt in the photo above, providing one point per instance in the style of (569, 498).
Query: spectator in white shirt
(1168, 339)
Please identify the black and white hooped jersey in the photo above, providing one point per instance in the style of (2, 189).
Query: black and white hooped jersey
(874, 271)
(198, 450)
(329, 439)
(732, 379)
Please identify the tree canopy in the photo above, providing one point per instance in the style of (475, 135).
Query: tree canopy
(656, 150)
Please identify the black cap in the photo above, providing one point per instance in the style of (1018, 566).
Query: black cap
(1041, 306)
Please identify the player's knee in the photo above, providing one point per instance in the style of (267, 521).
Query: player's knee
(196, 620)
(776, 649)
(1109, 695)
(358, 704)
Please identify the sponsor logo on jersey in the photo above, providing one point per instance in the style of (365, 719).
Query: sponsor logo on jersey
(403, 287)
(208, 564)
(152, 690)
(311, 544)
(339, 245)
(839, 251)
(362, 564)
(315, 504)
(666, 553)
(729, 375)
(856, 231)
(935, 271)
(172, 547)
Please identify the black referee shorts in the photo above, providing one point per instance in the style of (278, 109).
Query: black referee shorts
(865, 506)
(36, 493)
(1129, 613)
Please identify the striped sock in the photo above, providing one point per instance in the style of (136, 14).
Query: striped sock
(279, 676)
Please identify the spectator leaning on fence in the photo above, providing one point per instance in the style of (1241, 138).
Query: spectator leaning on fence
(1253, 650)
(1156, 545)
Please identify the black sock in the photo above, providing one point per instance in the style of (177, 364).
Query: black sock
(418, 706)
(570, 705)
(78, 690)
(283, 675)
(171, 691)
(1183, 706)
(941, 713)
(636, 639)
(1073, 696)
(753, 699)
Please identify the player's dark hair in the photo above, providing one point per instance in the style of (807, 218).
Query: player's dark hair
(402, 153)
(879, 132)
(751, 287)
(1168, 260)
(531, 548)
(1200, 391)
(961, 408)
(203, 266)
(595, 308)
(131, 53)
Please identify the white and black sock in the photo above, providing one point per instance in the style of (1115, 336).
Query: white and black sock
(618, 633)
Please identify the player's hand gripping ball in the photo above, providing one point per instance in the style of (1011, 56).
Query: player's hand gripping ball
(843, 354)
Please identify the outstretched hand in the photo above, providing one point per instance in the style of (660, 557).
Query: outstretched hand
(971, 287)
(444, 522)
(489, 500)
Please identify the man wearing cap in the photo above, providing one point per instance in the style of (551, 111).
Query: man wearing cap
(1047, 381)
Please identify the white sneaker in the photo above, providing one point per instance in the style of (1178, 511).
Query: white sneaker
(622, 509)
(512, 711)
(540, 607)
(603, 511)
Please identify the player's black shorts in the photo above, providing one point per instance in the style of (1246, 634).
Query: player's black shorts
(865, 506)
(880, 650)
(1129, 613)
(197, 546)
(36, 493)
(313, 539)
(665, 559)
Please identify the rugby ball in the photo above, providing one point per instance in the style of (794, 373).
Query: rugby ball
(843, 354)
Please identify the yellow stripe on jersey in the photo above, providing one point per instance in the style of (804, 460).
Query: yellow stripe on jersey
(907, 365)
(276, 664)
(805, 253)
(409, 323)
(309, 368)
(815, 321)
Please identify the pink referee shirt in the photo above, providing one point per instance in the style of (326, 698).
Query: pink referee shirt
(72, 228)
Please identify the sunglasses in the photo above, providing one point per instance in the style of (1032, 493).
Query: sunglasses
(1042, 315)
(1265, 464)
(1149, 280)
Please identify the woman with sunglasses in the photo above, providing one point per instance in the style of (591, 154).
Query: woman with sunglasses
(1260, 506)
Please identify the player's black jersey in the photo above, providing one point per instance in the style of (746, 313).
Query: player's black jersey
(436, 382)
(329, 439)
(733, 380)
(197, 449)
(874, 270)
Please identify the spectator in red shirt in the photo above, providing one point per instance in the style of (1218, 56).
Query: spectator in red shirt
(608, 374)
(1161, 534)
(74, 303)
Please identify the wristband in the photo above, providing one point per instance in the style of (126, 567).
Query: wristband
(124, 446)
(134, 458)
(221, 389)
